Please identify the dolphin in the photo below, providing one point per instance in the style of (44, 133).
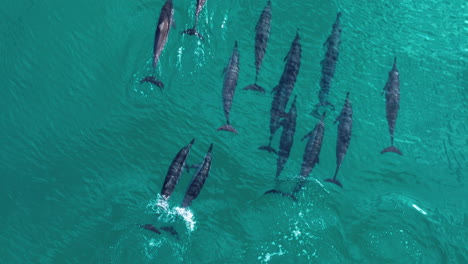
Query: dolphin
(198, 180)
(231, 74)
(286, 142)
(175, 170)
(166, 20)
(283, 90)
(311, 152)
(262, 30)
(329, 65)
(344, 136)
(193, 31)
(392, 98)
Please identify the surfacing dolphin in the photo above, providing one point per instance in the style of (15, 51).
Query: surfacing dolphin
(165, 22)
(198, 180)
(193, 30)
(231, 74)
(175, 170)
(392, 98)
(343, 138)
(262, 30)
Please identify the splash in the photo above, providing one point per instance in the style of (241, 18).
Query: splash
(166, 214)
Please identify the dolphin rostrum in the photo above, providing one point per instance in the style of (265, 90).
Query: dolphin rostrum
(283, 90)
(166, 20)
(193, 30)
(344, 136)
(262, 30)
(231, 74)
(392, 98)
(175, 170)
(329, 65)
(198, 180)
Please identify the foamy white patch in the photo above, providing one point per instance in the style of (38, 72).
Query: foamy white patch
(267, 256)
(188, 217)
(419, 209)
(165, 213)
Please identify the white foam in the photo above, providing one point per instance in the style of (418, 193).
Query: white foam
(188, 217)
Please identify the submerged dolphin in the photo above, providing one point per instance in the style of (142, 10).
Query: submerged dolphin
(198, 180)
(283, 90)
(329, 65)
(344, 136)
(311, 153)
(175, 170)
(193, 31)
(262, 30)
(231, 74)
(166, 19)
(392, 98)
(286, 142)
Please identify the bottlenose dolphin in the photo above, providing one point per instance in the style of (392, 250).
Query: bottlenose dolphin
(166, 20)
(392, 98)
(311, 153)
(175, 170)
(283, 90)
(231, 74)
(329, 65)
(262, 30)
(344, 136)
(198, 180)
(193, 31)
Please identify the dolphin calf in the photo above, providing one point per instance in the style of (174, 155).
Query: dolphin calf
(166, 20)
(329, 65)
(175, 170)
(262, 30)
(344, 136)
(311, 153)
(283, 90)
(392, 98)
(193, 31)
(198, 180)
(231, 74)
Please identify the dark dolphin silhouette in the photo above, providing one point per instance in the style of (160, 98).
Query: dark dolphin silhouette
(193, 30)
(392, 98)
(344, 136)
(262, 30)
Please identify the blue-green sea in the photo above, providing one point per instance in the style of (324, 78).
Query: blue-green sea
(85, 148)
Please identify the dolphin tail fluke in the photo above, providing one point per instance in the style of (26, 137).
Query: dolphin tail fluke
(268, 148)
(315, 112)
(193, 32)
(294, 198)
(254, 87)
(153, 80)
(335, 181)
(229, 128)
(392, 149)
(150, 227)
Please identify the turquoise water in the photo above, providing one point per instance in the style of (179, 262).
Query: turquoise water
(85, 147)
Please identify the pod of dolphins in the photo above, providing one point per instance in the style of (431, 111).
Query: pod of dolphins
(279, 118)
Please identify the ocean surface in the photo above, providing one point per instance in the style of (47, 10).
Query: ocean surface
(84, 147)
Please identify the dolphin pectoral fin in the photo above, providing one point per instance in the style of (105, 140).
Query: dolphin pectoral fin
(224, 71)
(392, 149)
(274, 89)
(338, 118)
(268, 148)
(317, 160)
(306, 136)
(294, 198)
(173, 24)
